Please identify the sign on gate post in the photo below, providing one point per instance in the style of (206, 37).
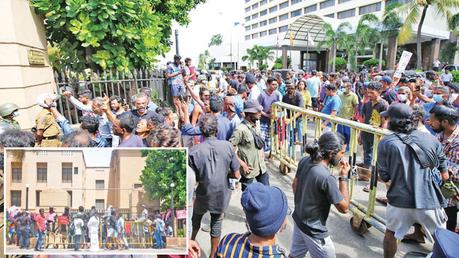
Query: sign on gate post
(404, 60)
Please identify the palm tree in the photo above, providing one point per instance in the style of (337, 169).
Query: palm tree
(203, 59)
(334, 39)
(415, 12)
(454, 27)
(216, 40)
(390, 28)
(259, 54)
(366, 35)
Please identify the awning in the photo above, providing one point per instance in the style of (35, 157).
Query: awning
(308, 24)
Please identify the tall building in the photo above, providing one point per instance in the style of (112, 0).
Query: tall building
(267, 22)
(70, 178)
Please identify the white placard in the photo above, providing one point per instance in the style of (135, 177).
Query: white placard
(404, 60)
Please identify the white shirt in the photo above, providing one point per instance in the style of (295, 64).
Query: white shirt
(78, 225)
(446, 77)
(254, 92)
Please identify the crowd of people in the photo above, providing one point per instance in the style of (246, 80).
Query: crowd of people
(225, 119)
(84, 229)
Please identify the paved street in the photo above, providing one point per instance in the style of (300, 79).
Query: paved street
(18, 251)
(347, 243)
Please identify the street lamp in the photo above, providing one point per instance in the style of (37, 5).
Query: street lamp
(27, 197)
(172, 209)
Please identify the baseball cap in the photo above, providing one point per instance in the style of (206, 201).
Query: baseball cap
(265, 207)
(398, 111)
(386, 79)
(250, 79)
(252, 106)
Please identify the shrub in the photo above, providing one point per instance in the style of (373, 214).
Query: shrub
(455, 76)
(340, 63)
(373, 62)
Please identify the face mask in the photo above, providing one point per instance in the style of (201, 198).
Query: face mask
(16, 113)
(437, 98)
(402, 97)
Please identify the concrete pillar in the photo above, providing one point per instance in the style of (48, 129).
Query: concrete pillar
(435, 54)
(284, 57)
(24, 66)
(456, 55)
(391, 53)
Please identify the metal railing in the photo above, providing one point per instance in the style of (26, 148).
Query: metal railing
(121, 84)
(284, 138)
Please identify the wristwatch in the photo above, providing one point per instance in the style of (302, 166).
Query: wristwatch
(343, 178)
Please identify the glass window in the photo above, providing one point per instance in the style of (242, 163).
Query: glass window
(263, 23)
(264, 12)
(255, 16)
(343, 1)
(37, 198)
(16, 198)
(254, 26)
(138, 186)
(247, 37)
(327, 3)
(283, 5)
(310, 9)
(283, 17)
(295, 13)
(370, 8)
(346, 14)
(295, 1)
(272, 20)
(247, 28)
(255, 35)
(16, 172)
(254, 6)
(247, 1)
(272, 31)
(67, 172)
(263, 2)
(247, 9)
(263, 33)
(247, 18)
(273, 9)
(42, 172)
(332, 15)
(100, 204)
(100, 184)
(283, 28)
(75, 170)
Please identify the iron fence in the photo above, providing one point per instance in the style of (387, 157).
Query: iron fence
(111, 83)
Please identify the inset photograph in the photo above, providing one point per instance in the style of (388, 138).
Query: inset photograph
(85, 201)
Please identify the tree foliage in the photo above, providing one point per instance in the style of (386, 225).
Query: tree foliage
(216, 40)
(163, 167)
(121, 34)
(259, 54)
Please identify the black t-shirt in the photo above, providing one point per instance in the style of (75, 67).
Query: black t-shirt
(296, 100)
(316, 191)
(372, 114)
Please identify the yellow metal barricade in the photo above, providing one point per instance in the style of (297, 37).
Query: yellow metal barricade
(285, 139)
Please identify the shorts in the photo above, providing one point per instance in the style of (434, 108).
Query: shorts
(177, 90)
(400, 220)
(317, 248)
(216, 220)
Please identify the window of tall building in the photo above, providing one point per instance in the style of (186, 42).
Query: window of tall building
(247, 18)
(283, 17)
(254, 35)
(37, 198)
(254, 16)
(343, 1)
(272, 31)
(42, 172)
(283, 28)
(273, 9)
(263, 23)
(283, 5)
(16, 198)
(327, 3)
(247, 28)
(370, 8)
(67, 172)
(295, 1)
(346, 14)
(310, 9)
(100, 184)
(247, 9)
(138, 186)
(332, 15)
(16, 172)
(263, 33)
(100, 204)
(273, 20)
(295, 13)
(263, 2)
(254, 26)
(264, 12)
(247, 37)
(75, 170)
(247, 1)
(254, 6)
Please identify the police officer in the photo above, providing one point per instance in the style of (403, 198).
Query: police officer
(47, 129)
(8, 112)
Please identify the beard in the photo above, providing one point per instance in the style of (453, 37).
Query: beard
(334, 161)
(438, 130)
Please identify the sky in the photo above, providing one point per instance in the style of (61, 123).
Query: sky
(97, 157)
(212, 17)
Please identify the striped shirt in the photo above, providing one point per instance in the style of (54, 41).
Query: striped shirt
(238, 245)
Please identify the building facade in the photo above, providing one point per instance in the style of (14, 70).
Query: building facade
(266, 23)
(68, 178)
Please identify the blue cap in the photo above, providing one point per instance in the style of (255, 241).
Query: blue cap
(386, 79)
(265, 208)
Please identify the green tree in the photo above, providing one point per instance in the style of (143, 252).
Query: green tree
(109, 34)
(454, 27)
(278, 63)
(415, 11)
(203, 60)
(163, 167)
(260, 54)
(216, 40)
(335, 39)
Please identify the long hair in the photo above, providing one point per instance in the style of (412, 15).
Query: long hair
(328, 145)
